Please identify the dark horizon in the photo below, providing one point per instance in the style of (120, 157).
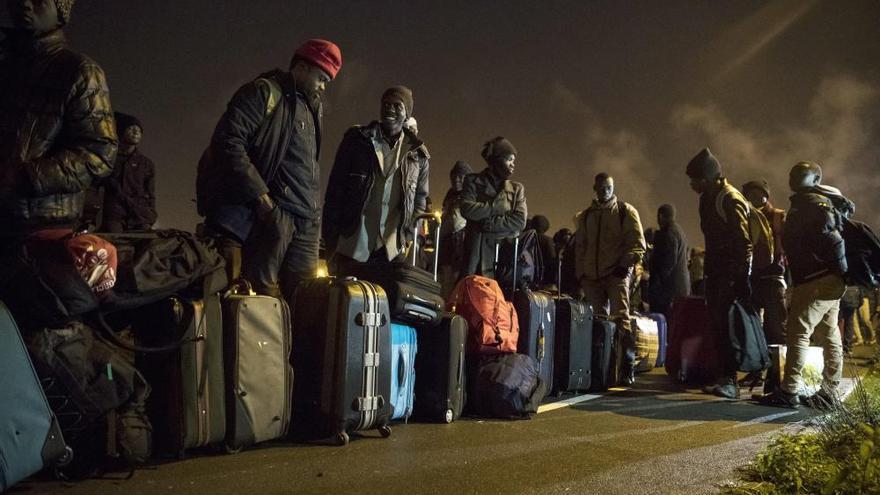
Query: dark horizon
(633, 89)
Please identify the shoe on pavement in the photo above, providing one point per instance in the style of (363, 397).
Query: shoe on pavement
(725, 390)
(819, 401)
(780, 399)
(752, 380)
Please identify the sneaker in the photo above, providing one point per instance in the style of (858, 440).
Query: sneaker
(752, 380)
(628, 378)
(725, 390)
(819, 401)
(780, 399)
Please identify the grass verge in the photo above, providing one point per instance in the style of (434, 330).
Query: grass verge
(839, 455)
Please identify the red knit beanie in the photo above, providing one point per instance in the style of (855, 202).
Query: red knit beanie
(323, 54)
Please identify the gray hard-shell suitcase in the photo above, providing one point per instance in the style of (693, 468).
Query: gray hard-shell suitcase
(187, 406)
(342, 356)
(30, 437)
(259, 377)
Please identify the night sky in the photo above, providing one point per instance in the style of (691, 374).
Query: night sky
(631, 88)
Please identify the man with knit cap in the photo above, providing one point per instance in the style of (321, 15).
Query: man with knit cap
(377, 188)
(259, 180)
(728, 258)
(668, 263)
(452, 229)
(768, 281)
(608, 245)
(130, 192)
(493, 205)
(56, 125)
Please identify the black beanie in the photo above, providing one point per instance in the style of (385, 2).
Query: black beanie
(124, 121)
(496, 148)
(461, 167)
(540, 223)
(667, 210)
(704, 166)
(761, 185)
(401, 94)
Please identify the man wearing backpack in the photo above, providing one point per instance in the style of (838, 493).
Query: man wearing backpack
(258, 182)
(816, 256)
(724, 220)
(608, 244)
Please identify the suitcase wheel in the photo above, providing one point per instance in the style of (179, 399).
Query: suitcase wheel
(65, 458)
(342, 438)
(385, 431)
(232, 449)
(449, 416)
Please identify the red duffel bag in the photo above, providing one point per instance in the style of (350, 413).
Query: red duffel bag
(493, 326)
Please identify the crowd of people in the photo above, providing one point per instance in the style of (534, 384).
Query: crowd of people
(66, 160)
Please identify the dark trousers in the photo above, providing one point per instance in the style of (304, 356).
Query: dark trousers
(769, 294)
(280, 252)
(719, 298)
(343, 266)
(848, 316)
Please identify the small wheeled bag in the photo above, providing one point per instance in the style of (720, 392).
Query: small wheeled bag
(440, 389)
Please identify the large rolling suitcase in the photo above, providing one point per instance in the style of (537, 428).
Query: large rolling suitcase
(440, 389)
(403, 374)
(691, 356)
(414, 295)
(572, 359)
(30, 437)
(187, 406)
(605, 358)
(647, 342)
(342, 358)
(259, 377)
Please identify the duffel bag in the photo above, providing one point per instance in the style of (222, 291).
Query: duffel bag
(507, 386)
(493, 326)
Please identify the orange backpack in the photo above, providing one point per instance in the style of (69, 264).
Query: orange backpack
(493, 326)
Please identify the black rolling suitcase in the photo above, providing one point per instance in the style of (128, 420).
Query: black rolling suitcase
(572, 359)
(440, 389)
(342, 359)
(188, 406)
(414, 295)
(605, 359)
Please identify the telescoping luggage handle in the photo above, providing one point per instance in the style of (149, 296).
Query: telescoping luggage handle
(415, 248)
(562, 252)
(515, 260)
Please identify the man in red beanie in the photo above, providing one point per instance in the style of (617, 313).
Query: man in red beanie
(258, 182)
(379, 183)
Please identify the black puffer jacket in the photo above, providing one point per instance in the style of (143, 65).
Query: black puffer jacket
(56, 131)
(812, 240)
(728, 244)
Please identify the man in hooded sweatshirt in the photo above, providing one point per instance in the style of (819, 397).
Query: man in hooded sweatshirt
(728, 261)
(668, 264)
(258, 182)
(493, 205)
(817, 258)
(609, 243)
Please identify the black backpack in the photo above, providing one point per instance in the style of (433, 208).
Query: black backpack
(507, 386)
(529, 262)
(747, 338)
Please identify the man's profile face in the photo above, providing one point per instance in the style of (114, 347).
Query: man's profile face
(36, 16)
(604, 189)
(756, 197)
(802, 177)
(311, 80)
(504, 166)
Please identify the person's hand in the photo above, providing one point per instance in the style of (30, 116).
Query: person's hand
(620, 272)
(264, 206)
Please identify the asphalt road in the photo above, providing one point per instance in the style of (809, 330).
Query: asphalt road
(651, 438)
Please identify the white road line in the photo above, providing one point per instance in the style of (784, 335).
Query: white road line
(566, 402)
(765, 419)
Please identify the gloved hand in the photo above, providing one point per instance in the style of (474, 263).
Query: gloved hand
(742, 287)
(620, 272)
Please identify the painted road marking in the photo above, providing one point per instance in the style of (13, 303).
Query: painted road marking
(765, 419)
(566, 402)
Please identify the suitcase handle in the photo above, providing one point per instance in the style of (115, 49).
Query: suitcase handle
(108, 335)
(415, 245)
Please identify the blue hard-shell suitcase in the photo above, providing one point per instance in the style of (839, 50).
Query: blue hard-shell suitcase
(30, 437)
(403, 374)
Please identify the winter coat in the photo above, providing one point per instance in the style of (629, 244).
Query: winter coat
(776, 218)
(668, 266)
(57, 133)
(493, 212)
(812, 240)
(728, 243)
(130, 192)
(351, 180)
(246, 150)
(607, 237)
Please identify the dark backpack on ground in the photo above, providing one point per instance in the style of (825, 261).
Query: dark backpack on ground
(747, 338)
(529, 265)
(506, 386)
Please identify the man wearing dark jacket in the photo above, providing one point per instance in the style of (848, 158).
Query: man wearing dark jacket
(768, 282)
(452, 229)
(56, 125)
(259, 180)
(378, 186)
(668, 263)
(816, 256)
(728, 258)
(130, 192)
(493, 205)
